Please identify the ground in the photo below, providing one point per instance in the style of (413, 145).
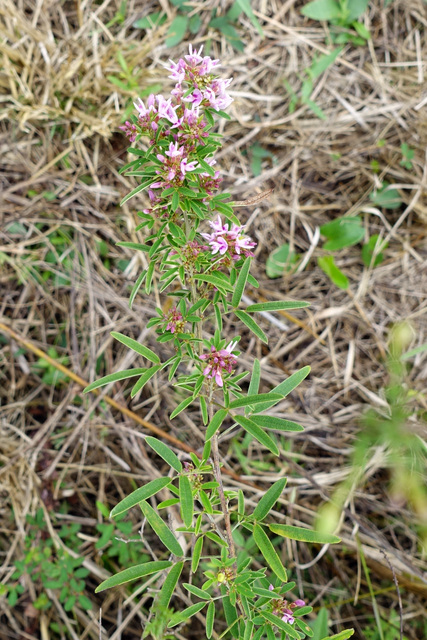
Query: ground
(328, 139)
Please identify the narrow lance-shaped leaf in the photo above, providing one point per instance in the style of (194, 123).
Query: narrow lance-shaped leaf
(216, 281)
(168, 587)
(114, 377)
(164, 452)
(141, 187)
(197, 552)
(182, 405)
(186, 499)
(182, 616)
(343, 635)
(215, 423)
(210, 617)
(257, 433)
(278, 622)
(161, 529)
(303, 535)
(241, 283)
(139, 495)
(197, 592)
(146, 376)
(136, 346)
(269, 499)
(136, 287)
(279, 424)
(285, 387)
(255, 399)
(279, 305)
(252, 325)
(269, 553)
(133, 573)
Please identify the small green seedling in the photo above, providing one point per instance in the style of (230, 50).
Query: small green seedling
(407, 156)
(343, 17)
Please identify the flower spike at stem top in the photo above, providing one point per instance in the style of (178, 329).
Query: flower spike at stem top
(200, 255)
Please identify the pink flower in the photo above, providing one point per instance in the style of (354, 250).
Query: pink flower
(219, 362)
(175, 321)
(299, 603)
(233, 240)
(186, 166)
(288, 617)
(271, 588)
(130, 130)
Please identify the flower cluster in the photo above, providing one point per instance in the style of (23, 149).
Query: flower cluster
(180, 121)
(229, 240)
(175, 321)
(283, 609)
(195, 70)
(219, 362)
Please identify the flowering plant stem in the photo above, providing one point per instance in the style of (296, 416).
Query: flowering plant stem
(206, 273)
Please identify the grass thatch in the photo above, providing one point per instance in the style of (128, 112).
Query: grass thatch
(64, 285)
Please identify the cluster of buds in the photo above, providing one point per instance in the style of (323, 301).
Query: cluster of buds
(196, 479)
(196, 71)
(219, 362)
(175, 321)
(231, 241)
(284, 609)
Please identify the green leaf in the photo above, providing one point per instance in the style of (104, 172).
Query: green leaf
(197, 592)
(278, 424)
(278, 622)
(252, 325)
(320, 625)
(141, 187)
(182, 405)
(322, 10)
(149, 22)
(161, 529)
(342, 232)
(343, 635)
(355, 9)
(215, 423)
(149, 373)
(210, 617)
(136, 287)
(328, 266)
(186, 499)
(245, 5)
(218, 282)
(182, 616)
(139, 495)
(386, 198)
(168, 587)
(368, 251)
(269, 499)
(134, 245)
(133, 573)
(241, 283)
(255, 378)
(269, 553)
(303, 535)
(136, 346)
(257, 433)
(164, 452)
(114, 377)
(285, 387)
(280, 261)
(277, 305)
(321, 64)
(255, 399)
(176, 31)
(197, 552)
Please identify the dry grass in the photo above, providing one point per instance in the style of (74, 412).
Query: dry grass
(60, 156)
